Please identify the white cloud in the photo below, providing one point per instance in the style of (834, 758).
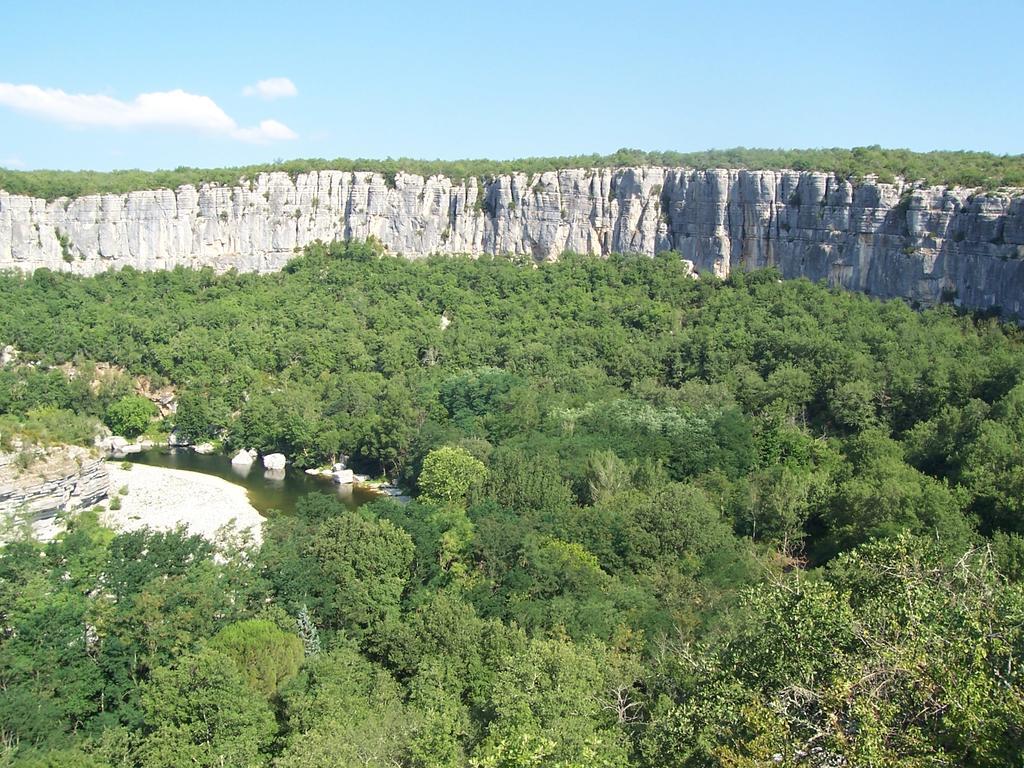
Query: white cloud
(175, 109)
(272, 88)
(268, 130)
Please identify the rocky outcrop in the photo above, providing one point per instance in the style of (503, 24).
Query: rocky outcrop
(928, 244)
(38, 484)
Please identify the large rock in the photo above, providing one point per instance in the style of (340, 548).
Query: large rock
(204, 448)
(244, 458)
(111, 443)
(274, 461)
(928, 244)
(343, 476)
(119, 446)
(55, 480)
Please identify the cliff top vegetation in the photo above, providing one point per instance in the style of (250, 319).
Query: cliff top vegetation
(971, 169)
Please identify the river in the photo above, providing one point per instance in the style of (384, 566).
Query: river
(265, 493)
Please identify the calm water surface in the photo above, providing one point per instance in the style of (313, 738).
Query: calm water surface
(265, 493)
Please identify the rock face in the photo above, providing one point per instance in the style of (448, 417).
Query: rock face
(923, 244)
(57, 480)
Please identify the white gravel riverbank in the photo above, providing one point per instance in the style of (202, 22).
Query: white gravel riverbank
(162, 499)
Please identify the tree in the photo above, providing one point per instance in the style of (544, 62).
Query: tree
(343, 710)
(547, 703)
(884, 497)
(780, 503)
(527, 484)
(852, 406)
(308, 633)
(193, 419)
(897, 657)
(390, 434)
(360, 568)
(71, 757)
(130, 416)
(265, 655)
(50, 682)
(202, 712)
(607, 475)
(449, 473)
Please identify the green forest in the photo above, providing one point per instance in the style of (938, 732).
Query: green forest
(971, 169)
(659, 521)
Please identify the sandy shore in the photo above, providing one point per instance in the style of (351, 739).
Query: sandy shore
(162, 499)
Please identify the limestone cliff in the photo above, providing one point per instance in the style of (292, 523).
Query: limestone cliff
(923, 244)
(46, 482)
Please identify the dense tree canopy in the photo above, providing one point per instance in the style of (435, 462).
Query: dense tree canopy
(658, 521)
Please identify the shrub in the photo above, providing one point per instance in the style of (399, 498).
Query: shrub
(65, 246)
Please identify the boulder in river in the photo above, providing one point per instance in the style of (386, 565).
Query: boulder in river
(343, 476)
(244, 458)
(204, 448)
(274, 461)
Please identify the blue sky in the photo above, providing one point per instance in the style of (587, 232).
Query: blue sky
(499, 80)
